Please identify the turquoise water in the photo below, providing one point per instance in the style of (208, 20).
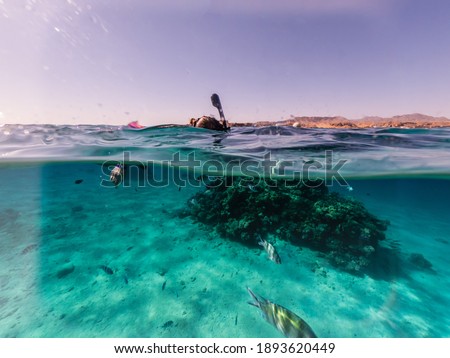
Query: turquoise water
(81, 258)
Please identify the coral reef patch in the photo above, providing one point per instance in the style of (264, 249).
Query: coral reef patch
(304, 213)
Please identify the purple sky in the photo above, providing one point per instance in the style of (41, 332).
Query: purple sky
(113, 61)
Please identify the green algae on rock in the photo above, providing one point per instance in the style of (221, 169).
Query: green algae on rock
(304, 213)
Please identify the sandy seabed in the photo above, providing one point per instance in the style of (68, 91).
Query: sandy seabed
(79, 260)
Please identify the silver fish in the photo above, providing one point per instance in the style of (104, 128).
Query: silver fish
(287, 322)
(270, 249)
(116, 174)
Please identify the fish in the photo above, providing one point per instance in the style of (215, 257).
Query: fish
(252, 188)
(287, 322)
(270, 249)
(167, 324)
(78, 181)
(29, 248)
(107, 270)
(116, 174)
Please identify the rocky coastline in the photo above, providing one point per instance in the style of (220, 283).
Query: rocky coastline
(415, 120)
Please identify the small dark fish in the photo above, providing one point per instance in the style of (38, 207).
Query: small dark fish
(252, 188)
(65, 270)
(443, 241)
(270, 249)
(167, 324)
(106, 269)
(179, 188)
(163, 285)
(287, 322)
(77, 209)
(78, 181)
(125, 279)
(29, 248)
(235, 320)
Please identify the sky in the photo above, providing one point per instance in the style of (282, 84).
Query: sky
(157, 61)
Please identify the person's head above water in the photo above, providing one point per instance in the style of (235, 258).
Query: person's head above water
(210, 122)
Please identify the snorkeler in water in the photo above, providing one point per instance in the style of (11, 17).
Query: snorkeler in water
(210, 122)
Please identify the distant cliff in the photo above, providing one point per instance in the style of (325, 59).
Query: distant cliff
(415, 120)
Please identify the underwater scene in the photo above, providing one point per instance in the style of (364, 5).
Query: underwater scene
(265, 232)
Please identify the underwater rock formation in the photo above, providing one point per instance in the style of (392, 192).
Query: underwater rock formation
(304, 213)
